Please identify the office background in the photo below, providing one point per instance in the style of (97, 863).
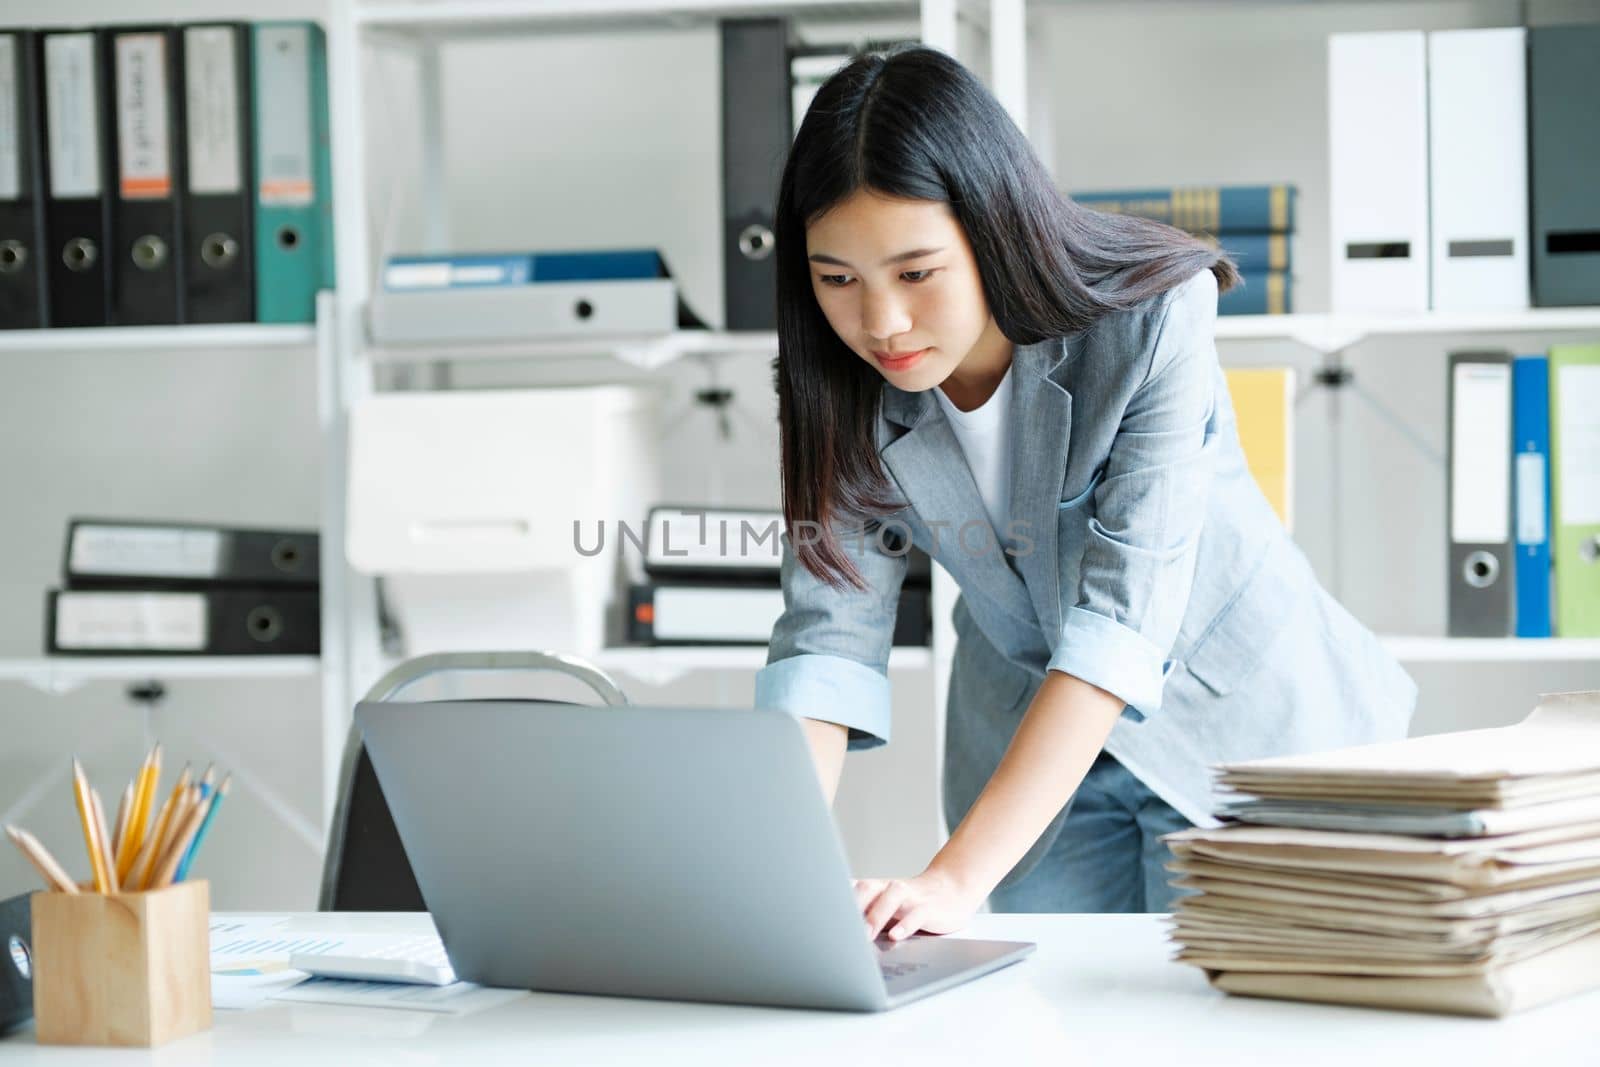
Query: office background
(607, 138)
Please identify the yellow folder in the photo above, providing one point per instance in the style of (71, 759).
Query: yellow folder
(1263, 402)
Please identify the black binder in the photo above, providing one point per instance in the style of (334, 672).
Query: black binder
(757, 117)
(72, 99)
(111, 554)
(1563, 152)
(16, 965)
(22, 275)
(217, 217)
(214, 622)
(141, 78)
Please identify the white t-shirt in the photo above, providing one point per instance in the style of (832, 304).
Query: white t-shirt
(983, 436)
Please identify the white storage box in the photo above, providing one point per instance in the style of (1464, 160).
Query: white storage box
(465, 503)
(521, 312)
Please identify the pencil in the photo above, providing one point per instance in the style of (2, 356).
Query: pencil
(52, 872)
(103, 838)
(180, 841)
(200, 834)
(144, 864)
(155, 848)
(124, 812)
(143, 804)
(97, 865)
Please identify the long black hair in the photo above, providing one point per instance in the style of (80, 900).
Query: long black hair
(914, 123)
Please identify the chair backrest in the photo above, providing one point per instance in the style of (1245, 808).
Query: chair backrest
(366, 867)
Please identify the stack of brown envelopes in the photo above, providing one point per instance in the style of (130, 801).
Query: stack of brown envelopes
(1456, 872)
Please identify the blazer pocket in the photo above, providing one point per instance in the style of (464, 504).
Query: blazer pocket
(1082, 497)
(1232, 645)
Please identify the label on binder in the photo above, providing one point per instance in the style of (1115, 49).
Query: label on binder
(211, 91)
(142, 133)
(1479, 464)
(10, 120)
(148, 552)
(73, 115)
(1579, 434)
(1530, 498)
(283, 56)
(160, 621)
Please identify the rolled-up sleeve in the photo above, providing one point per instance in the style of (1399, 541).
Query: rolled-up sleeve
(829, 654)
(1143, 531)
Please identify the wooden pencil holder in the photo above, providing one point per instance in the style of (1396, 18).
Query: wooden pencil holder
(130, 969)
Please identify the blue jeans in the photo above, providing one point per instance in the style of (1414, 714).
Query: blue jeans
(1109, 855)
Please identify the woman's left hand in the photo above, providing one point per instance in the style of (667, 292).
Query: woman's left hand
(932, 902)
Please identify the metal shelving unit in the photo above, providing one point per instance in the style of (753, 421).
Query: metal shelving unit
(62, 674)
(989, 33)
(470, 18)
(65, 674)
(644, 352)
(1409, 649)
(151, 338)
(1331, 332)
(664, 665)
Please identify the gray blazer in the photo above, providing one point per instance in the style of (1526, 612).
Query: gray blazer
(1141, 557)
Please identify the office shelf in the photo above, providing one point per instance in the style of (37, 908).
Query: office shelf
(1318, 331)
(155, 338)
(1409, 649)
(480, 18)
(664, 665)
(642, 351)
(60, 674)
(1332, 332)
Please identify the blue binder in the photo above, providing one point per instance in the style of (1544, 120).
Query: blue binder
(1530, 429)
(475, 269)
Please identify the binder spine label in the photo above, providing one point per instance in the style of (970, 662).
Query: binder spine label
(73, 115)
(175, 621)
(157, 553)
(285, 137)
(10, 120)
(451, 273)
(1530, 498)
(1480, 461)
(212, 94)
(142, 130)
(1579, 433)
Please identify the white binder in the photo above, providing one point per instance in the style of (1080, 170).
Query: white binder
(1478, 141)
(521, 312)
(1378, 171)
(1481, 552)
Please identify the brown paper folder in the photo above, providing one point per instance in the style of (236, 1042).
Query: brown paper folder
(1496, 991)
(1553, 754)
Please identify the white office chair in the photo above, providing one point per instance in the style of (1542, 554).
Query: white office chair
(365, 867)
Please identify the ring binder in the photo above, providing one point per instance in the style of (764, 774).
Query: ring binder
(74, 151)
(23, 287)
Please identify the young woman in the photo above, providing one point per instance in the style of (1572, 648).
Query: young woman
(1029, 391)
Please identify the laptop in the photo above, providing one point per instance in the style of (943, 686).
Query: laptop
(666, 852)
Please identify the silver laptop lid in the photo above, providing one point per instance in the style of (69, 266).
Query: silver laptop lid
(685, 853)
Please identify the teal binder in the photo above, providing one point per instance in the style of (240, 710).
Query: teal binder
(294, 176)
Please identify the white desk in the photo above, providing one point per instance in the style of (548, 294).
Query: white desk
(1100, 990)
